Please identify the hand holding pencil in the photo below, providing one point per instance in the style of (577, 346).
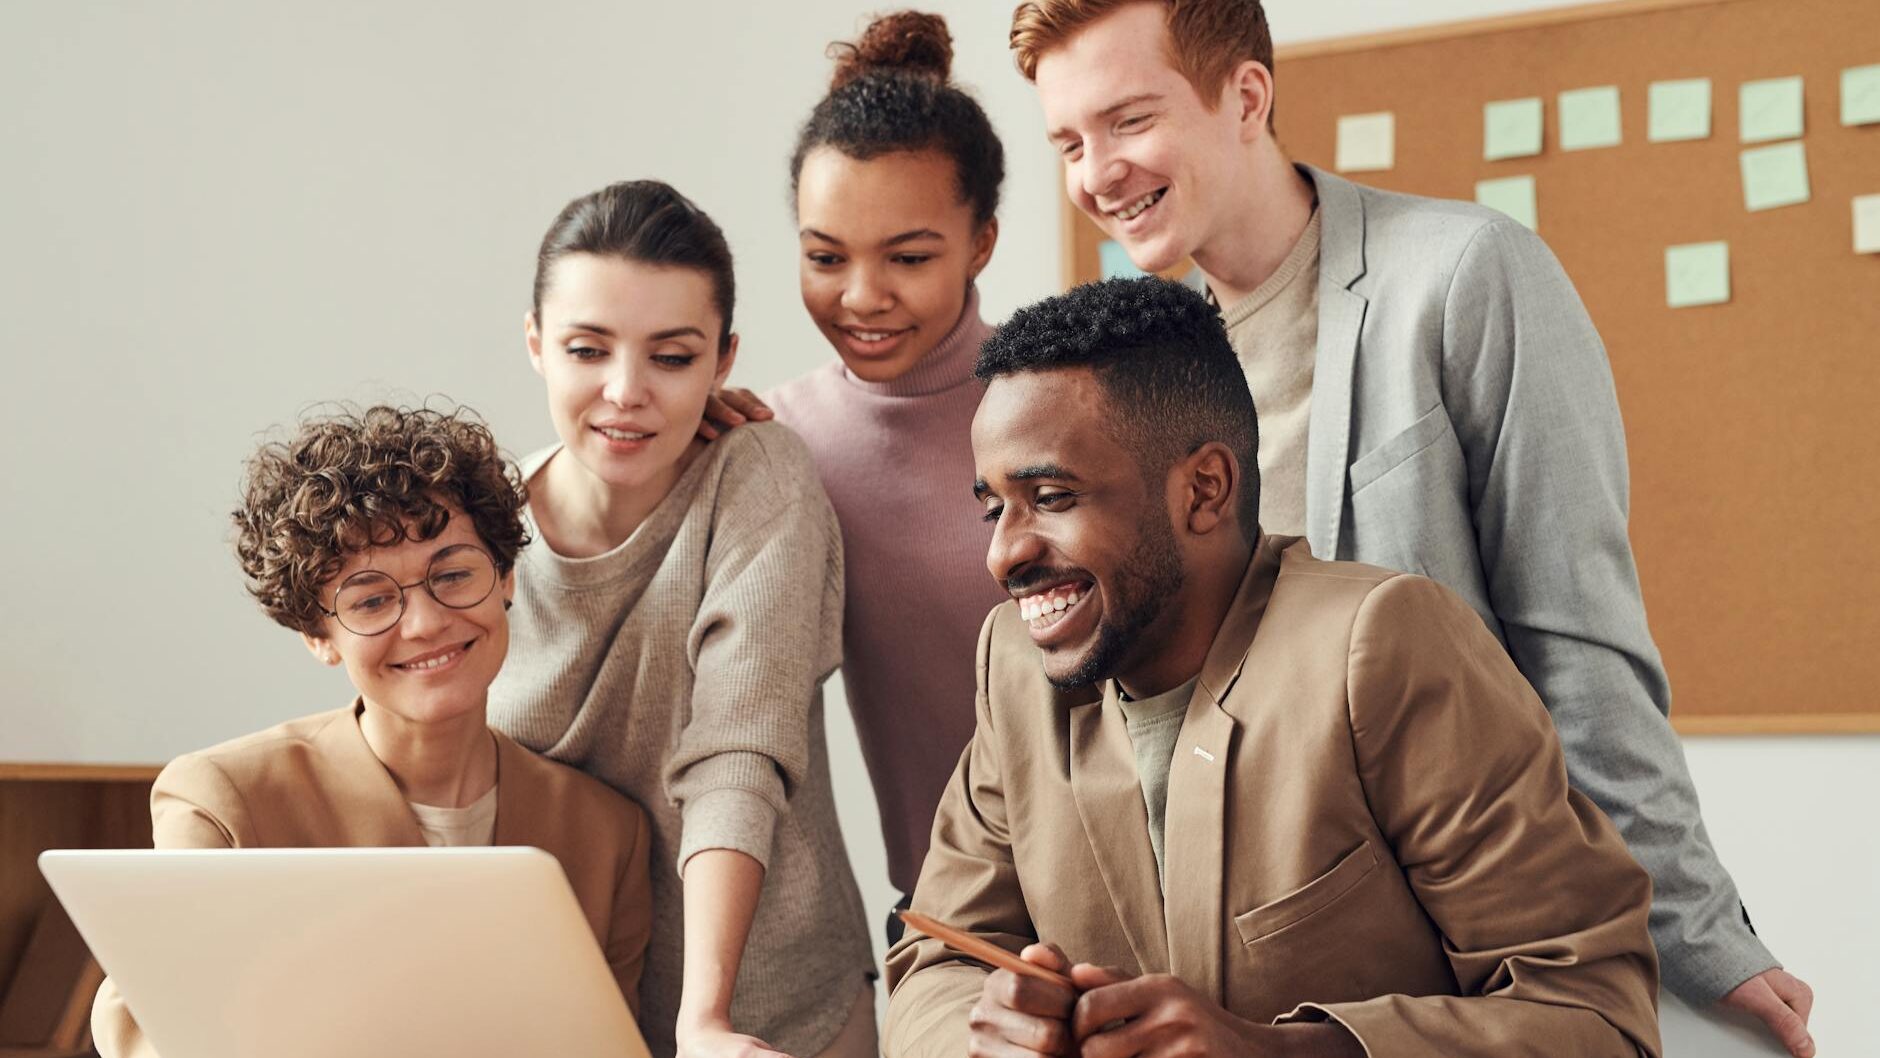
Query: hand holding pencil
(985, 951)
(1026, 1009)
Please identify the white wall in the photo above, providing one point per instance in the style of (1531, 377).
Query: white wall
(214, 213)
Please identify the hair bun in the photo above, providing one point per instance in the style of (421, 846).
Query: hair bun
(909, 41)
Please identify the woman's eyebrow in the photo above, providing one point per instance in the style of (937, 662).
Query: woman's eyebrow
(587, 328)
(675, 332)
(893, 240)
(910, 236)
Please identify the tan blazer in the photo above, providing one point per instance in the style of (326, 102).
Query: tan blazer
(1368, 820)
(314, 783)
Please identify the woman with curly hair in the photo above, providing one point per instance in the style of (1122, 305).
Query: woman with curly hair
(388, 540)
(675, 619)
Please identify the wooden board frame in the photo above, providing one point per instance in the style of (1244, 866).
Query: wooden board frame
(55, 806)
(1752, 494)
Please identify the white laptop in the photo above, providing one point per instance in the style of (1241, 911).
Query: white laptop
(324, 953)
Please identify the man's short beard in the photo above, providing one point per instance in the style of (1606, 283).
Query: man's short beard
(1143, 585)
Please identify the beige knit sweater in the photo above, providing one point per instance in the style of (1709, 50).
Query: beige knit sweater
(685, 669)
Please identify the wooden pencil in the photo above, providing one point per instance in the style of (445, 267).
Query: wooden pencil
(983, 950)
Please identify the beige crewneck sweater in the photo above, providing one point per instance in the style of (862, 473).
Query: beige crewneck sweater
(1275, 332)
(685, 668)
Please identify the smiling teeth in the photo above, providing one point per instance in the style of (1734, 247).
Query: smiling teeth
(622, 435)
(1131, 211)
(437, 662)
(1046, 608)
(871, 336)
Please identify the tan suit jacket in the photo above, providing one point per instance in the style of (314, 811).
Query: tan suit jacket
(1368, 820)
(315, 783)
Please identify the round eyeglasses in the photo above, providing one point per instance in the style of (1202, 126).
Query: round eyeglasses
(369, 602)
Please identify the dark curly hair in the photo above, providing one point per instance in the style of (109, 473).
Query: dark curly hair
(647, 221)
(890, 93)
(1161, 354)
(352, 480)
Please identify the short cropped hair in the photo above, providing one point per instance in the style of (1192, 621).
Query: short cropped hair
(351, 480)
(1207, 38)
(1161, 355)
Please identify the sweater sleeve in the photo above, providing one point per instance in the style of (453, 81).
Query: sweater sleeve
(767, 633)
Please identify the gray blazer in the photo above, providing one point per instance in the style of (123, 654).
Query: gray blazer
(1464, 426)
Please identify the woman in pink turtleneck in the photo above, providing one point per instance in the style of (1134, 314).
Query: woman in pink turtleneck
(897, 175)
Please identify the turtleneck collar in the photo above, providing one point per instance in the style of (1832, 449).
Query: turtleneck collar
(945, 366)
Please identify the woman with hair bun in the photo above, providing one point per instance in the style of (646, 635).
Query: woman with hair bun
(896, 177)
(675, 619)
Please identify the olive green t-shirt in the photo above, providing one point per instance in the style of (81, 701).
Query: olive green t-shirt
(1154, 725)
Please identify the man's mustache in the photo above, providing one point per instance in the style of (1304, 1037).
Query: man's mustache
(1028, 581)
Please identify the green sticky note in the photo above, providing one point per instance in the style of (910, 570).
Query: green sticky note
(1589, 117)
(1697, 274)
(1367, 143)
(1860, 95)
(1513, 195)
(1770, 110)
(1774, 176)
(1680, 110)
(1511, 128)
(1867, 224)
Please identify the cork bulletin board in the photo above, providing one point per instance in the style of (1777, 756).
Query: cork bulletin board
(1753, 425)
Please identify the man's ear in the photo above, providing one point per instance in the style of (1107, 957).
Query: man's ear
(1212, 479)
(532, 336)
(321, 647)
(1250, 92)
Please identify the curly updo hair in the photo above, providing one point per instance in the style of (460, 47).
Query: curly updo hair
(1162, 358)
(351, 480)
(891, 93)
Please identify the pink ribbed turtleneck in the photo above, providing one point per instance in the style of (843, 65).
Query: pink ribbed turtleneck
(897, 461)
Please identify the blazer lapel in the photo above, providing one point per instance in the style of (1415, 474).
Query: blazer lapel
(367, 804)
(516, 800)
(1195, 830)
(1341, 321)
(1109, 799)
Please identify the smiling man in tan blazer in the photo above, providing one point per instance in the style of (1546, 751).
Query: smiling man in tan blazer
(1266, 805)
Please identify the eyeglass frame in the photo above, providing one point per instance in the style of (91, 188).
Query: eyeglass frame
(425, 582)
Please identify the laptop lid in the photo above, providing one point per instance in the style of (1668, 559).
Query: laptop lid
(312, 953)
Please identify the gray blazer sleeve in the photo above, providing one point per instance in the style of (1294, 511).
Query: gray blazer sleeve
(1531, 396)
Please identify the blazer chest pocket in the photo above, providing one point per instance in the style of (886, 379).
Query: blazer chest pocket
(1310, 898)
(1393, 453)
